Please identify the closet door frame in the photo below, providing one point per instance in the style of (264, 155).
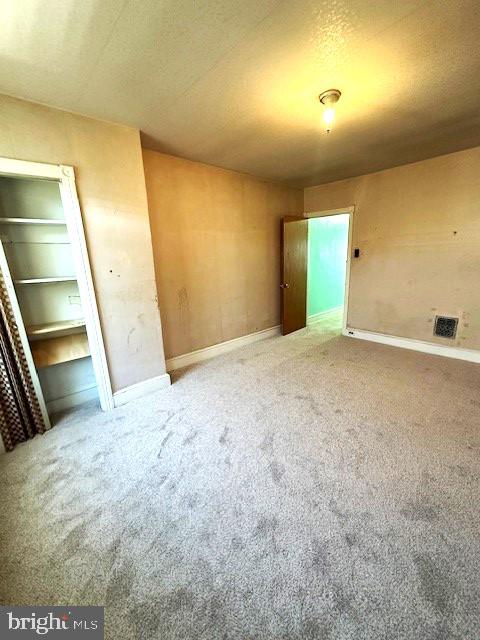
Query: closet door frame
(65, 176)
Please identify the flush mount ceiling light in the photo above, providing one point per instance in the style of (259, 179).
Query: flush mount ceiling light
(328, 99)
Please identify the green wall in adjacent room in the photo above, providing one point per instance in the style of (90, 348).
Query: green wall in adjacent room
(327, 253)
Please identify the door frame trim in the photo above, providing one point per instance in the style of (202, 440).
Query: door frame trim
(348, 265)
(64, 175)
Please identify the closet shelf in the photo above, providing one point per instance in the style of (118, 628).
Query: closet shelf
(46, 280)
(55, 329)
(31, 221)
(62, 349)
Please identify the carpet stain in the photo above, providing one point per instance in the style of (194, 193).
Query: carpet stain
(319, 561)
(120, 584)
(164, 443)
(267, 442)
(190, 438)
(145, 618)
(170, 416)
(237, 543)
(342, 516)
(223, 438)
(311, 402)
(114, 548)
(461, 471)
(277, 469)
(418, 511)
(192, 500)
(314, 629)
(342, 601)
(351, 539)
(178, 600)
(74, 539)
(437, 588)
(266, 526)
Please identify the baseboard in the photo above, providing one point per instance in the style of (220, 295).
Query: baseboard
(72, 400)
(470, 355)
(217, 349)
(140, 389)
(316, 317)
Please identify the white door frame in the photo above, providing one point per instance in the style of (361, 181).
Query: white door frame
(336, 212)
(65, 176)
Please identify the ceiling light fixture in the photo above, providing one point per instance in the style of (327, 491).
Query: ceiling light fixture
(328, 99)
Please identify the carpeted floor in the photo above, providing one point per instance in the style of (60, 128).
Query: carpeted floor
(308, 487)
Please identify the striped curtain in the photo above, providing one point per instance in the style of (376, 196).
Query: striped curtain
(20, 415)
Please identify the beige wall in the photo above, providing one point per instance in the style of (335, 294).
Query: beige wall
(111, 186)
(418, 229)
(216, 241)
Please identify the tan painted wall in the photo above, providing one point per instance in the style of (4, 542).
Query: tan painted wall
(216, 241)
(111, 187)
(418, 228)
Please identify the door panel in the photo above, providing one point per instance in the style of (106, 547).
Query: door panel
(294, 273)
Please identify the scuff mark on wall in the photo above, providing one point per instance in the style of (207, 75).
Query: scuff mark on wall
(182, 299)
(133, 348)
(184, 311)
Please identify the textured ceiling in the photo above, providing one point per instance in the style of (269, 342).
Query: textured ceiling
(235, 84)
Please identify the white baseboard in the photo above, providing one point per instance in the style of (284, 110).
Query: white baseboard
(323, 315)
(217, 349)
(470, 355)
(72, 400)
(141, 389)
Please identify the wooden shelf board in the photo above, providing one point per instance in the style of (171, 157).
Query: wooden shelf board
(51, 329)
(61, 349)
(45, 280)
(31, 221)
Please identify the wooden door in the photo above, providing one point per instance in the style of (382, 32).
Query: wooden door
(294, 273)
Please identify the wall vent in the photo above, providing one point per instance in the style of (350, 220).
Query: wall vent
(445, 327)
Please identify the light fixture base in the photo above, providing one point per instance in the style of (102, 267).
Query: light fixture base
(331, 96)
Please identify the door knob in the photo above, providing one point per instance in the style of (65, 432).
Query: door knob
(284, 285)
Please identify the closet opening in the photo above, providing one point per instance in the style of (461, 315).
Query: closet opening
(50, 289)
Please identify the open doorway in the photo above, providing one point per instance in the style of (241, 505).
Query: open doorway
(327, 269)
(324, 260)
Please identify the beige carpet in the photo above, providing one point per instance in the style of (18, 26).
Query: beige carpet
(308, 487)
